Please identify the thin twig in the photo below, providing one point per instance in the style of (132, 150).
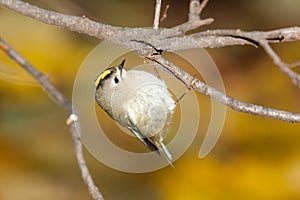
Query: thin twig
(157, 14)
(165, 13)
(295, 78)
(194, 20)
(62, 101)
(295, 64)
(202, 6)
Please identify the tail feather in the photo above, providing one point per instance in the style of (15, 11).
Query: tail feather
(166, 153)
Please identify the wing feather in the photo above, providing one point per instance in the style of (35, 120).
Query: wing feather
(135, 130)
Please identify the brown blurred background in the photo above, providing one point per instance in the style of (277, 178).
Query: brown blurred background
(255, 158)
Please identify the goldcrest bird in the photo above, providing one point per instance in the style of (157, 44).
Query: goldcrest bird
(139, 101)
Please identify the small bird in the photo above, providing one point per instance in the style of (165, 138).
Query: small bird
(138, 101)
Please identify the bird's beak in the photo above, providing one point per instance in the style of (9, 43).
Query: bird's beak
(121, 67)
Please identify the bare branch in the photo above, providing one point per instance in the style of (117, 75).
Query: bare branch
(220, 97)
(145, 41)
(86, 176)
(281, 65)
(275, 36)
(263, 39)
(165, 14)
(72, 23)
(206, 39)
(295, 64)
(157, 14)
(163, 40)
(42, 79)
(202, 6)
(194, 17)
(62, 101)
(218, 41)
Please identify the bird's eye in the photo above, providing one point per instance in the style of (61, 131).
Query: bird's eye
(116, 80)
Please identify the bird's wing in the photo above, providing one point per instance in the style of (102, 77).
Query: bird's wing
(156, 145)
(161, 146)
(135, 130)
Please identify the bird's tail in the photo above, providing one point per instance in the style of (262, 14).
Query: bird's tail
(165, 152)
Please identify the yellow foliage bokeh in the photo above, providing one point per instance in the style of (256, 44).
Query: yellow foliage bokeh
(255, 158)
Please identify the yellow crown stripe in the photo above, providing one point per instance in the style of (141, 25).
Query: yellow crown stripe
(102, 76)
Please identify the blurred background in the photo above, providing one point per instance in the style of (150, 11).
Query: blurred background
(255, 158)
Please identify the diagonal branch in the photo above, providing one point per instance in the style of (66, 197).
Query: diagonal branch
(285, 68)
(62, 101)
(72, 23)
(42, 79)
(165, 13)
(220, 97)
